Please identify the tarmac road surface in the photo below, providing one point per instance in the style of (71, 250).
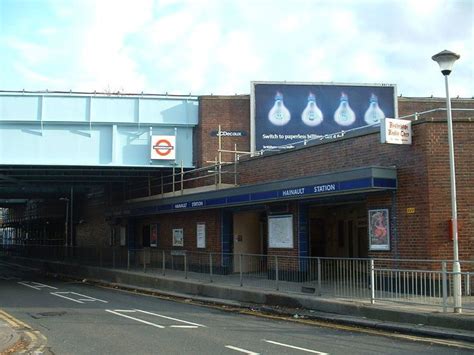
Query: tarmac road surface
(77, 318)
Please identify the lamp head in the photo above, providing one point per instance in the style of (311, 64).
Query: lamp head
(446, 60)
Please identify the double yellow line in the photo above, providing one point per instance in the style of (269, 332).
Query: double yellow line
(36, 341)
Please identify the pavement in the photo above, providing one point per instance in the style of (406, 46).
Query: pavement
(9, 337)
(392, 318)
(18, 337)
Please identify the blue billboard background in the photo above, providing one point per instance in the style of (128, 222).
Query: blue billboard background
(289, 113)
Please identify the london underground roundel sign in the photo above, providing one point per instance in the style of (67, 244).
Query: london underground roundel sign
(163, 147)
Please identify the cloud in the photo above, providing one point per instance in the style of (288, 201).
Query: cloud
(221, 46)
(106, 60)
(28, 52)
(167, 29)
(36, 77)
(48, 31)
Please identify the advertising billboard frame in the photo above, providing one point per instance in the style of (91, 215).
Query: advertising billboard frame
(253, 139)
(379, 229)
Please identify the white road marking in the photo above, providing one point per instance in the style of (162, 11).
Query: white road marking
(35, 285)
(87, 298)
(295, 347)
(135, 319)
(9, 278)
(81, 299)
(184, 326)
(171, 318)
(241, 350)
(68, 298)
(25, 284)
(43, 285)
(188, 325)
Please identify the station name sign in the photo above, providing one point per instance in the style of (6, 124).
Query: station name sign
(271, 195)
(304, 190)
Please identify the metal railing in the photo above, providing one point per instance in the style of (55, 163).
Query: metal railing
(420, 282)
(414, 117)
(219, 173)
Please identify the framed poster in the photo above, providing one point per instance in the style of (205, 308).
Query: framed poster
(201, 235)
(154, 235)
(280, 231)
(379, 230)
(178, 239)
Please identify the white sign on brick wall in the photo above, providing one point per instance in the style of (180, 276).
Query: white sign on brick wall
(395, 131)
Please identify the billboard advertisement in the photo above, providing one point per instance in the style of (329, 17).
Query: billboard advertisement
(284, 114)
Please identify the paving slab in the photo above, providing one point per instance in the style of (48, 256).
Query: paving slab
(8, 337)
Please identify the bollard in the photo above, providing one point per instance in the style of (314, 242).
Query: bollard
(144, 260)
(113, 258)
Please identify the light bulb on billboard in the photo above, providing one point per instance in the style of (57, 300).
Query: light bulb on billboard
(344, 116)
(312, 115)
(279, 114)
(374, 114)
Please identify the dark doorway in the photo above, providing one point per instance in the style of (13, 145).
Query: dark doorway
(350, 239)
(363, 241)
(338, 230)
(317, 231)
(146, 235)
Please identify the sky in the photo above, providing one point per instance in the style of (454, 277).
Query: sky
(219, 46)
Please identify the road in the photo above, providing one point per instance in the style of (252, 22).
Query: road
(77, 318)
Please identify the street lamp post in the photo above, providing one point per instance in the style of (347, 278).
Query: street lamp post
(446, 60)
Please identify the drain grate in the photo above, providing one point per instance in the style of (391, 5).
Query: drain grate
(46, 314)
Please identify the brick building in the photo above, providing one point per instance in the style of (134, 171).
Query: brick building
(348, 177)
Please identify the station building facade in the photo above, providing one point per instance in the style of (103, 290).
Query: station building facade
(319, 199)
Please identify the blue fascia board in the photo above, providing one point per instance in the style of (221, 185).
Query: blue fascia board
(291, 192)
(385, 183)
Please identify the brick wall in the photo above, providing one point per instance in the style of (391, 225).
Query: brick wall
(92, 229)
(439, 189)
(232, 113)
(188, 222)
(423, 182)
(423, 175)
(411, 105)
